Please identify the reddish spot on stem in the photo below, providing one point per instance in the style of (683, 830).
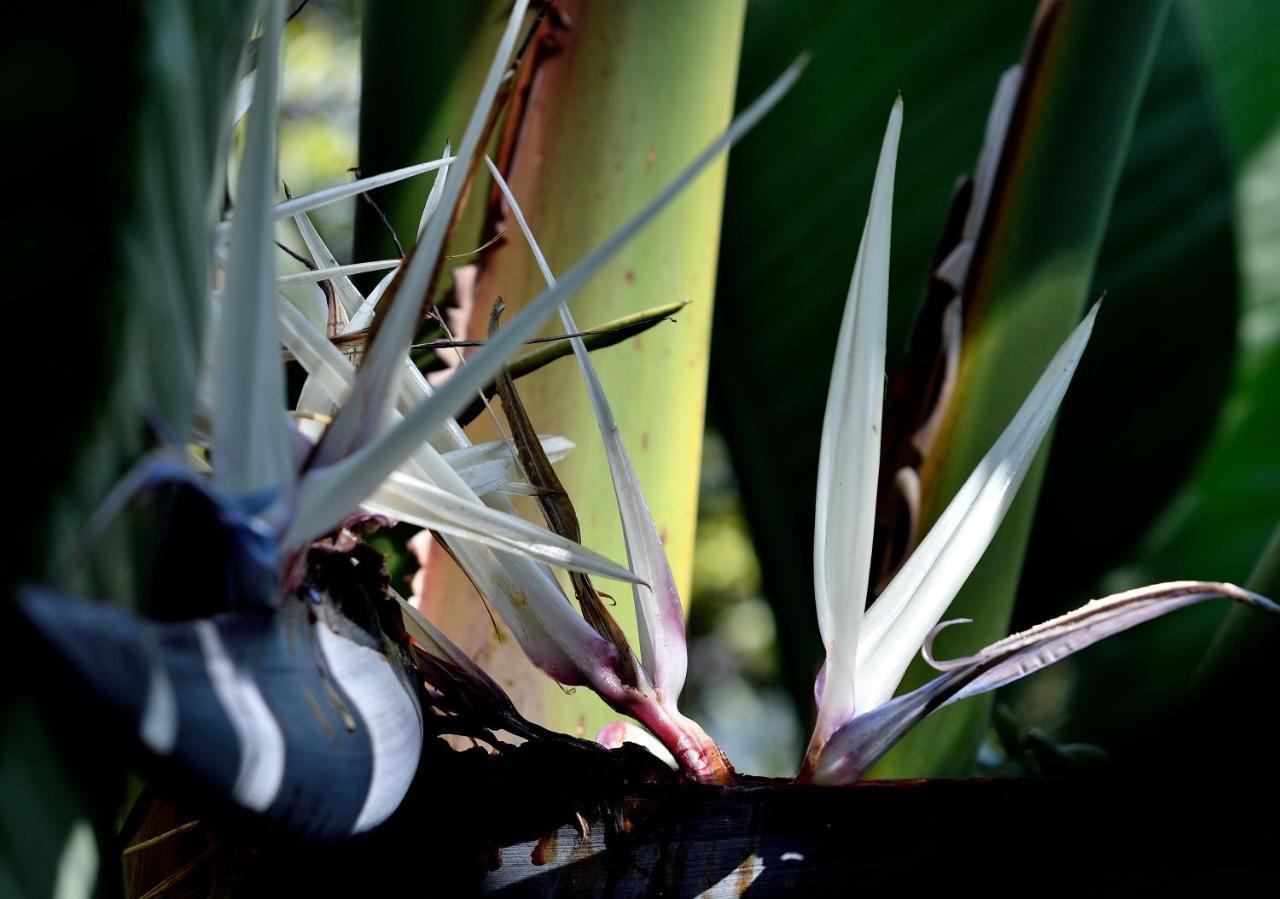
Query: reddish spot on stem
(644, 441)
(629, 276)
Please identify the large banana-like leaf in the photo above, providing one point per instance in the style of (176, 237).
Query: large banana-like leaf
(1168, 267)
(1223, 517)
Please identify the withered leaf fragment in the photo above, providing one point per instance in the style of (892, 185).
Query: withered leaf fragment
(556, 507)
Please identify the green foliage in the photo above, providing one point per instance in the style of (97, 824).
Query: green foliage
(1149, 391)
(1221, 517)
(421, 68)
(149, 151)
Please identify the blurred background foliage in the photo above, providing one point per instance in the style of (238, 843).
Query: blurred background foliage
(1165, 461)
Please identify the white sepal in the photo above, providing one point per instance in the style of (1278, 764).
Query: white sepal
(918, 596)
(849, 455)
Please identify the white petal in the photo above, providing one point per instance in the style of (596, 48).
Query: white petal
(849, 456)
(954, 270)
(428, 506)
(615, 733)
(342, 191)
(919, 595)
(493, 468)
(993, 138)
(337, 273)
(250, 429)
(525, 592)
(435, 194)
(364, 315)
(421, 497)
(857, 745)
(327, 368)
(323, 257)
(244, 96)
(659, 614)
(437, 642)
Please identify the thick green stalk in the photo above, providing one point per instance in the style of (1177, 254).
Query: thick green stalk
(623, 95)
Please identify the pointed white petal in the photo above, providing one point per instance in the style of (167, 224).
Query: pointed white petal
(366, 408)
(493, 468)
(438, 644)
(1021, 654)
(343, 485)
(337, 273)
(849, 456)
(659, 614)
(415, 501)
(364, 315)
(342, 191)
(526, 594)
(954, 270)
(244, 96)
(435, 194)
(615, 733)
(250, 429)
(545, 624)
(327, 368)
(984, 176)
(857, 745)
(918, 597)
(323, 257)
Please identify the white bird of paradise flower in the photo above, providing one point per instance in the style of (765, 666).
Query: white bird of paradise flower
(867, 654)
